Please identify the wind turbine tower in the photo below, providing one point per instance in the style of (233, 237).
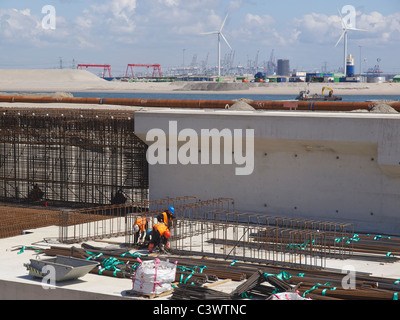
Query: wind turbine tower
(220, 35)
(346, 28)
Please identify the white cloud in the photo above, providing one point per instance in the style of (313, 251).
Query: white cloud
(17, 25)
(83, 23)
(118, 15)
(382, 29)
(164, 27)
(20, 27)
(261, 29)
(169, 3)
(318, 28)
(109, 21)
(324, 29)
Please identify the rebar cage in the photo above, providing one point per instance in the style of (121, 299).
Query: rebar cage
(213, 228)
(113, 220)
(75, 157)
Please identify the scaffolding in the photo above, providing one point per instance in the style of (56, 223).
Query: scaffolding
(78, 158)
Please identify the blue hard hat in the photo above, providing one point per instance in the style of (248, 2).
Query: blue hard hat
(172, 209)
(149, 231)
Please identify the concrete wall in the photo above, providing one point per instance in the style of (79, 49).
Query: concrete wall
(323, 166)
(11, 290)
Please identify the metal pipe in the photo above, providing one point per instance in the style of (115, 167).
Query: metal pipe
(202, 104)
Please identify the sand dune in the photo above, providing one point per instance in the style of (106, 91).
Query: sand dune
(49, 80)
(39, 75)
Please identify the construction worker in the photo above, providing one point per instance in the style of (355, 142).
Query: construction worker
(36, 194)
(159, 237)
(119, 198)
(140, 228)
(167, 216)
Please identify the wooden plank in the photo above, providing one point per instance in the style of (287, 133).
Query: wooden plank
(150, 295)
(217, 283)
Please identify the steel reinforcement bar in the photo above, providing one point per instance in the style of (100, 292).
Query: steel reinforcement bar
(113, 220)
(80, 157)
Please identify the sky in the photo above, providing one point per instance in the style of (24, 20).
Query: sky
(168, 32)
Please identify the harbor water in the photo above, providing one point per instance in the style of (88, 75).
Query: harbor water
(211, 96)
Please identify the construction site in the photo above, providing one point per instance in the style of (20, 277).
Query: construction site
(307, 223)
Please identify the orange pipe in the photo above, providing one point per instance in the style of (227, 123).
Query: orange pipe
(202, 104)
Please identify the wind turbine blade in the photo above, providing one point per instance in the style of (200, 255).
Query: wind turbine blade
(356, 29)
(344, 25)
(214, 32)
(223, 37)
(340, 39)
(223, 23)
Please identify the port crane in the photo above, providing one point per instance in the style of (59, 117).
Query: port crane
(106, 68)
(156, 68)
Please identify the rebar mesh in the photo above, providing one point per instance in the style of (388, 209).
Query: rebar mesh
(79, 157)
(113, 220)
(213, 228)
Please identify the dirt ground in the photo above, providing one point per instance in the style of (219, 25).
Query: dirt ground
(14, 220)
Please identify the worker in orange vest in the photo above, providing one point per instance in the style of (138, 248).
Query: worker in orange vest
(140, 228)
(167, 216)
(159, 237)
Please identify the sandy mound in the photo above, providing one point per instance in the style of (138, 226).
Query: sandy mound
(242, 105)
(215, 86)
(52, 80)
(38, 94)
(378, 108)
(44, 75)
(383, 108)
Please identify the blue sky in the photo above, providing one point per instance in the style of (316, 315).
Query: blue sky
(119, 32)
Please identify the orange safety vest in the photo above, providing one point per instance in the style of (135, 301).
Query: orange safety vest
(160, 227)
(165, 217)
(141, 222)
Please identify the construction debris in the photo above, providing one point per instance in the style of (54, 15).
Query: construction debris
(189, 292)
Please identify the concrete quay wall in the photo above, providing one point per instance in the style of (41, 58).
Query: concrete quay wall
(316, 165)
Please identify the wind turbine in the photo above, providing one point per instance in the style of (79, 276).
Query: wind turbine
(220, 35)
(346, 29)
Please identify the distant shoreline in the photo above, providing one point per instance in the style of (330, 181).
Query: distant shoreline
(68, 80)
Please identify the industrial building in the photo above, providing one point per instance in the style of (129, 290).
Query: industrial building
(283, 67)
